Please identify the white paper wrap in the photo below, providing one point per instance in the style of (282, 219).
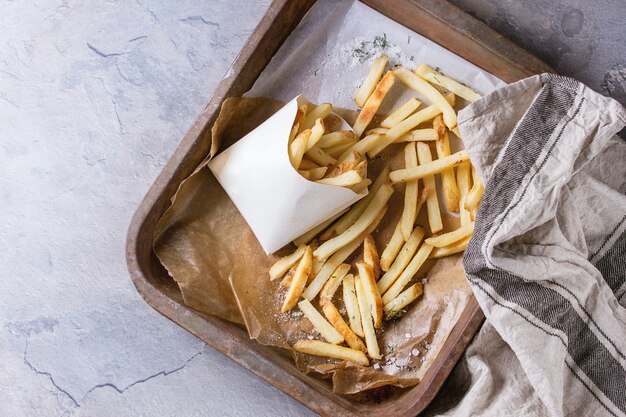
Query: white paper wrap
(277, 202)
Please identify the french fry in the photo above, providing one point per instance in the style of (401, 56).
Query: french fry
(298, 121)
(338, 258)
(338, 150)
(402, 260)
(451, 237)
(313, 174)
(336, 138)
(367, 218)
(366, 320)
(456, 131)
(448, 181)
(319, 112)
(319, 348)
(317, 131)
(410, 271)
(282, 265)
(402, 113)
(379, 130)
(306, 164)
(361, 186)
(409, 213)
(408, 124)
(364, 145)
(324, 328)
(333, 316)
(419, 135)
(370, 255)
(366, 275)
(346, 166)
(428, 168)
(437, 78)
(432, 201)
(373, 103)
(329, 289)
(392, 248)
(424, 88)
(476, 193)
(405, 298)
(463, 181)
(298, 280)
(357, 209)
(308, 236)
(456, 247)
(368, 86)
(298, 147)
(352, 305)
(320, 157)
(286, 281)
(347, 179)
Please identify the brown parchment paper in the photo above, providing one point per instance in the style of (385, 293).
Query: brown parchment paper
(222, 270)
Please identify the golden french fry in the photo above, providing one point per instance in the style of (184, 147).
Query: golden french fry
(324, 328)
(338, 258)
(317, 131)
(373, 103)
(329, 289)
(370, 255)
(404, 299)
(367, 218)
(419, 135)
(286, 281)
(456, 131)
(432, 201)
(347, 179)
(402, 260)
(392, 248)
(395, 133)
(379, 130)
(368, 86)
(306, 164)
(344, 167)
(374, 299)
(356, 210)
(338, 150)
(361, 186)
(336, 138)
(319, 348)
(402, 113)
(476, 193)
(424, 88)
(333, 316)
(313, 174)
(282, 265)
(451, 237)
(308, 236)
(428, 168)
(299, 119)
(366, 320)
(437, 78)
(456, 247)
(448, 181)
(409, 213)
(319, 112)
(320, 157)
(298, 147)
(463, 181)
(298, 280)
(352, 305)
(364, 145)
(410, 271)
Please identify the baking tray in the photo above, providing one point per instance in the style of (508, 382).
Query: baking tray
(435, 19)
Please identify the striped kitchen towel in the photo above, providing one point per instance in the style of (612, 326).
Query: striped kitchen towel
(548, 258)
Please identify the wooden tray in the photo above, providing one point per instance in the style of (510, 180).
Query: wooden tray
(434, 19)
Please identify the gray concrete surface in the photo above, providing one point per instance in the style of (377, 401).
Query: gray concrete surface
(94, 96)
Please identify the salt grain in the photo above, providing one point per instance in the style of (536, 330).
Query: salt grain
(376, 366)
(424, 281)
(407, 335)
(415, 352)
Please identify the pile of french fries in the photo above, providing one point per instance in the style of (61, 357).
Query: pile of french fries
(377, 288)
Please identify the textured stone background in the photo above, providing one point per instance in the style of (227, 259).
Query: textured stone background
(94, 96)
